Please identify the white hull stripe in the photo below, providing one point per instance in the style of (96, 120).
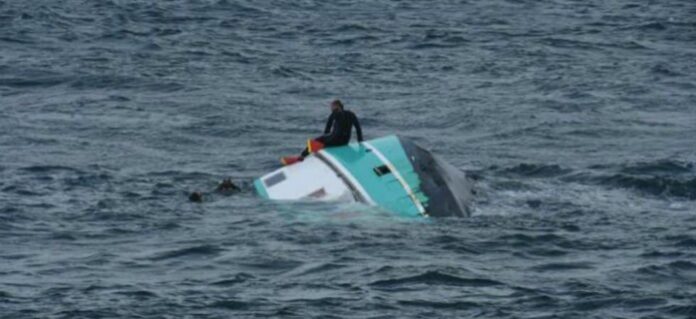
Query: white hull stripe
(344, 173)
(398, 177)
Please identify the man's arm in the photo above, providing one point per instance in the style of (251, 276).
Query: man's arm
(329, 123)
(357, 128)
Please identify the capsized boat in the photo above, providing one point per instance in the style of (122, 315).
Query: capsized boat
(391, 172)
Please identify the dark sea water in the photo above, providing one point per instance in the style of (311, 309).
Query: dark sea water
(577, 118)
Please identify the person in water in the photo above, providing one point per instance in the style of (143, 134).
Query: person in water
(338, 129)
(226, 187)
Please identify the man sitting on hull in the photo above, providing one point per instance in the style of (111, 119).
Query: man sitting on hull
(337, 132)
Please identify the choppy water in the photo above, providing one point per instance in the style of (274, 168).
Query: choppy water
(577, 118)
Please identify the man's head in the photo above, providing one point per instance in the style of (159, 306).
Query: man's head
(227, 186)
(196, 197)
(336, 105)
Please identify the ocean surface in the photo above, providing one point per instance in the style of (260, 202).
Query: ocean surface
(576, 118)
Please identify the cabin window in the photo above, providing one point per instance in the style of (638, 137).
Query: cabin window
(382, 170)
(275, 179)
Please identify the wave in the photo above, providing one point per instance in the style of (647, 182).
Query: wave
(49, 168)
(526, 240)
(459, 305)
(231, 305)
(662, 254)
(536, 170)
(662, 69)
(677, 269)
(670, 178)
(139, 294)
(205, 250)
(29, 82)
(664, 166)
(87, 82)
(237, 279)
(436, 278)
(655, 185)
(562, 266)
(650, 26)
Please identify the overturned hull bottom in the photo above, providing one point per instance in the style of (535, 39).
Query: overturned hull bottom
(391, 172)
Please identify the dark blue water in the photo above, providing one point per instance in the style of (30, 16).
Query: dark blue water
(576, 117)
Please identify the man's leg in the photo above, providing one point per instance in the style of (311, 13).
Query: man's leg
(321, 139)
(315, 145)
